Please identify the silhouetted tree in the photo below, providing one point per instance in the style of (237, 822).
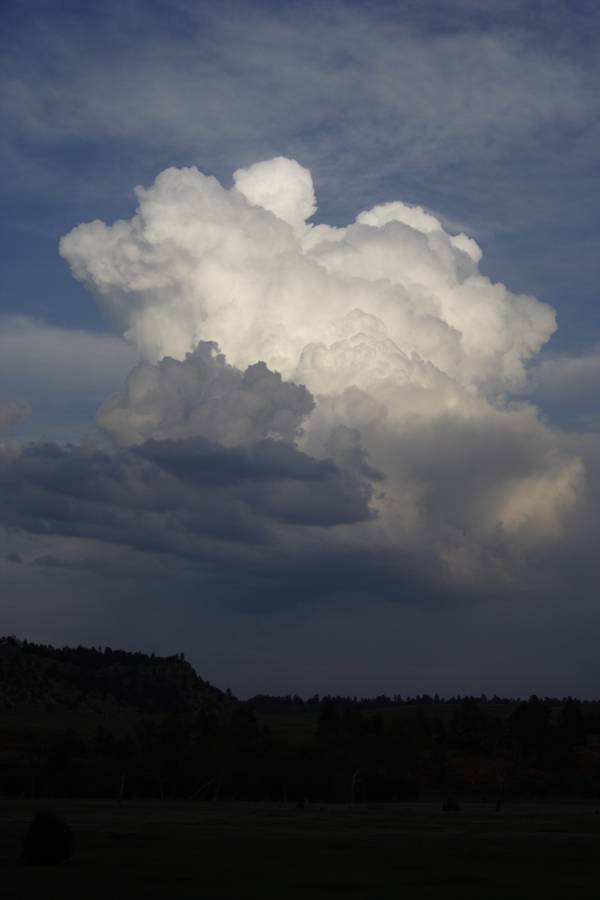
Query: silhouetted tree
(328, 723)
(530, 726)
(571, 724)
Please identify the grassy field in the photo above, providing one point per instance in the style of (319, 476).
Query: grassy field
(234, 851)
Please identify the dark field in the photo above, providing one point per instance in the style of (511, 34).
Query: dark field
(232, 851)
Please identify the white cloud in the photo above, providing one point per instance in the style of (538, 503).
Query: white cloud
(280, 185)
(198, 262)
(408, 350)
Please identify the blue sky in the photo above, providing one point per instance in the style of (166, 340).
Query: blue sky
(487, 114)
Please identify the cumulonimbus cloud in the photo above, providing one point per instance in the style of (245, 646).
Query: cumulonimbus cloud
(397, 356)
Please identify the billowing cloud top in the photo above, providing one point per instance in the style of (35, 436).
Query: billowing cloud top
(298, 377)
(391, 298)
(280, 185)
(203, 395)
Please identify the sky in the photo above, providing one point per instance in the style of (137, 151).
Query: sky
(300, 340)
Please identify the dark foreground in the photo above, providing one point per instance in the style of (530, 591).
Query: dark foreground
(234, 851)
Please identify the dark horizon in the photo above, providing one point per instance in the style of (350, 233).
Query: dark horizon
(104, 723)
(264, 700)
(122, 769)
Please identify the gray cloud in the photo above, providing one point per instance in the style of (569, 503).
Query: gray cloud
(12, 414)
(568, 389)
(203, 395)
(168, 496)
(60, 374)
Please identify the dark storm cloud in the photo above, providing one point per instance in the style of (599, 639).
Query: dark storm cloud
(14, 558)
(162, 495)
(275, 479)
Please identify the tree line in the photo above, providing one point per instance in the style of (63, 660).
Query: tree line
(96, 722)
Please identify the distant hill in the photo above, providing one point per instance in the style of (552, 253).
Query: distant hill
(70, 680)
(97, 722)
(102, 722)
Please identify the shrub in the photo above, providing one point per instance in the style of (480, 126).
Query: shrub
(47, 840)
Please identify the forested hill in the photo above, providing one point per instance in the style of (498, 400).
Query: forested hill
(93, 722)
(81, 721)
(44, 679)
